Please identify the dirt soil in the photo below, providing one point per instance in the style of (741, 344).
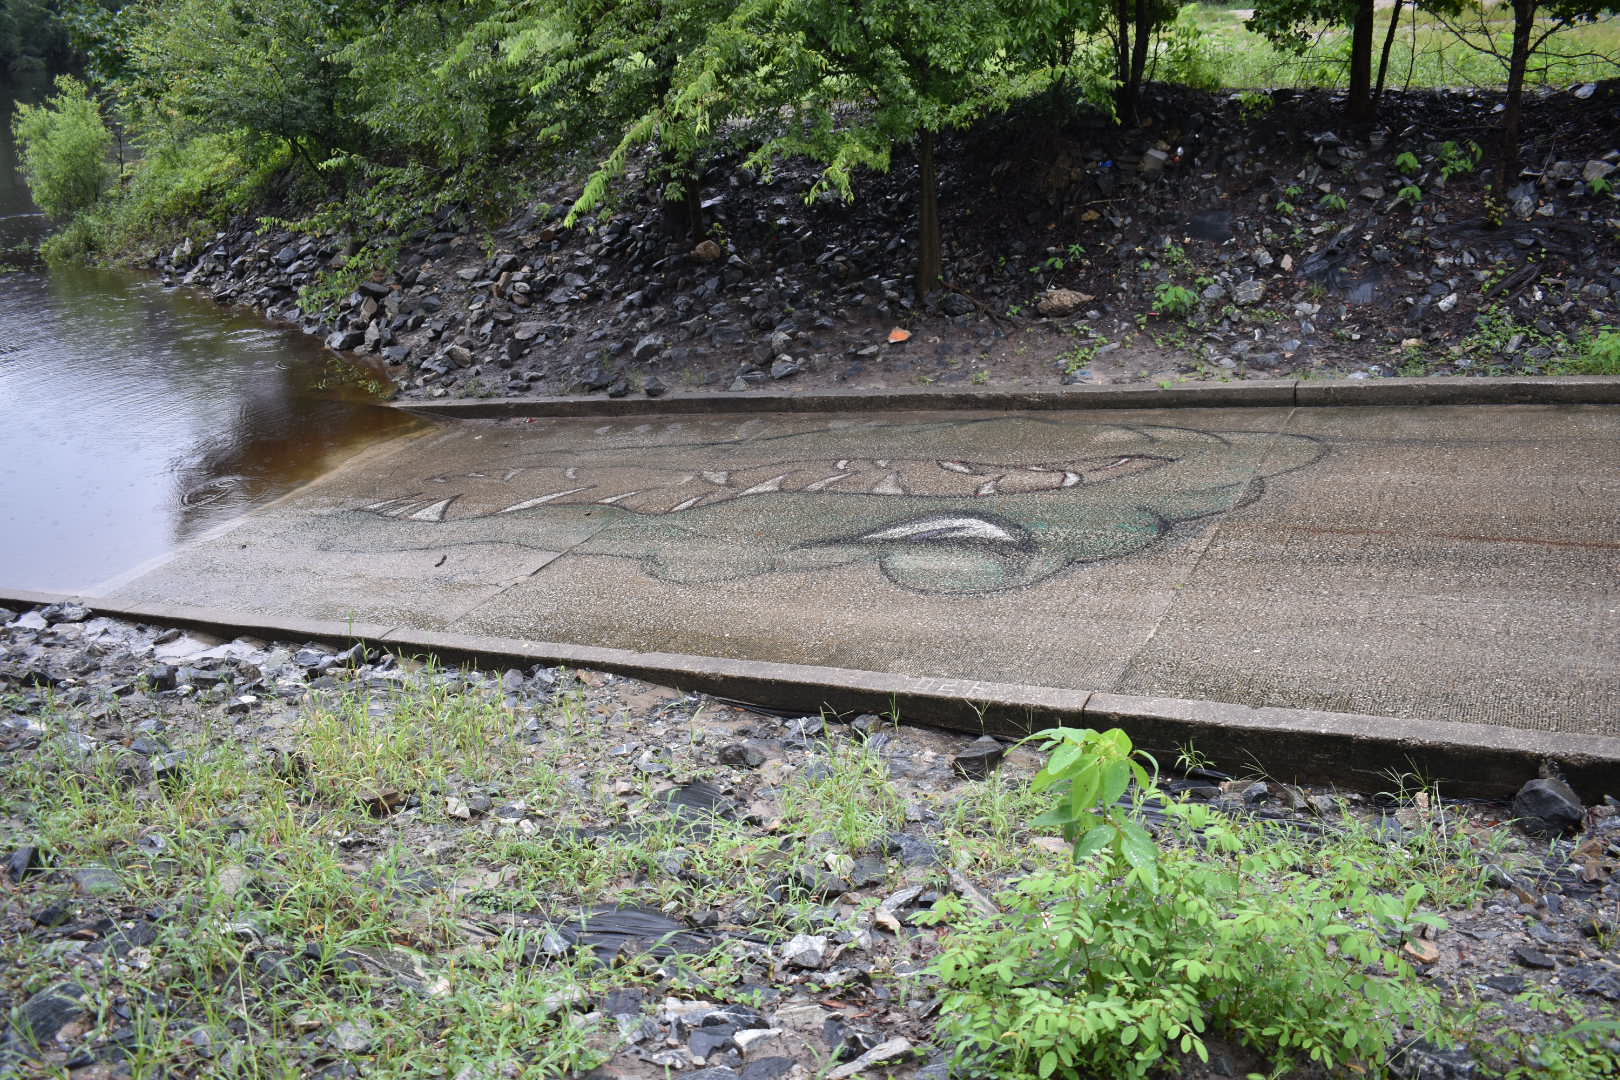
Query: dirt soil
(673, 825)
(1306, 250)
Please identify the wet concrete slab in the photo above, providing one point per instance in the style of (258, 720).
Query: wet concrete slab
(1446, 563)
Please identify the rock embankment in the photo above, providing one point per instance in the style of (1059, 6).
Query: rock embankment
(1225, 241)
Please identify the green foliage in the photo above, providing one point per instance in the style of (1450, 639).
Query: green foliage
(33, 37)
(184, 185)
(1459, 159)
(1333, 203)
(1410, 194)
(421, 95)
(1176, 300)
(1584, 1050)
(1136, 953)
(1254, 105)
(1597, 354)
(1186, 56)
(64, 145)
(1408, 163)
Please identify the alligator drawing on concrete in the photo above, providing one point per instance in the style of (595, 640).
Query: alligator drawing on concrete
(1054, 494)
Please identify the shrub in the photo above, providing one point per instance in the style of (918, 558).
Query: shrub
(1176, 300)
(64, 145)
(1134, 954)
(1598, 354)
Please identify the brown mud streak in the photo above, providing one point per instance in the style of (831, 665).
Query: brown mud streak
(1324, 530)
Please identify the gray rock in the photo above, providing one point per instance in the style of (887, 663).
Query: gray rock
(64, 613)
(1596, 170)
(980, 758)
(96, 881)
(888, 1051)
(806, 951)
(654, 387)
(1245, 293)
(741, 755)
(351, 1037)
(1153, 161)
(1548, 808)
(649, 346)
(784, 367)
(42, 1016)
(1533, 958)
(345, 340)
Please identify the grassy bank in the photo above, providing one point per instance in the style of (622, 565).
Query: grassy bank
(371, 867)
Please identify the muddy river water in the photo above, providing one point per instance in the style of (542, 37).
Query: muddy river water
(134, 418)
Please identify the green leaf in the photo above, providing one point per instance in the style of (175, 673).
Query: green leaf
(1049, 1063)
(1094, 841)
(1116, 776)
(1055, 818)
(1063, 758)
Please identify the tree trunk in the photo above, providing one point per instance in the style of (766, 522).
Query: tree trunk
(1139, 52)
(1125, 92)
(1524, 22)
(685, 214)
(1383, 59)
(929, 258)
(1359, 108)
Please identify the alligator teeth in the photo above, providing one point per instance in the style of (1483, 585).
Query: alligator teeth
(433, 511)
(543, 499)
(827, 480)
(773, 484)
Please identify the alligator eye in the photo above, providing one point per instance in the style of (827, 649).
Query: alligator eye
(949, 528)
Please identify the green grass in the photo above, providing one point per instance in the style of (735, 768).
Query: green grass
(1431, 57)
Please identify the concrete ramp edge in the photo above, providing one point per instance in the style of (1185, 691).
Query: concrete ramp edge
(1355, 752)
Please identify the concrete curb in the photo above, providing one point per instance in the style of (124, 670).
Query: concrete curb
(1349, 750)
(1277, 393)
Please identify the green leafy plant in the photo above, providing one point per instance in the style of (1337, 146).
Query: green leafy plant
(1137, 952)
(1408, 163)
(1599, 185)
(1176, 300)
(1410, 194)
(1597, 354)
(1459, 159)
(1333, 203)
(64, 145)
(1080, 357)
(1585, 1050)
(1253, 104)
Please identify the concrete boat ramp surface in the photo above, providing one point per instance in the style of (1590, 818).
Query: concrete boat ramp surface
(1455, 566)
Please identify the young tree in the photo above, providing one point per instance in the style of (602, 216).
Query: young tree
(64, 145)
(1535, 24)
(1131, 24)
(271, 68)
(843, 83)
(1286, 24)
(607, 68)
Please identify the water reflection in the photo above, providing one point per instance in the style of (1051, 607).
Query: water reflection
(133, 419)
